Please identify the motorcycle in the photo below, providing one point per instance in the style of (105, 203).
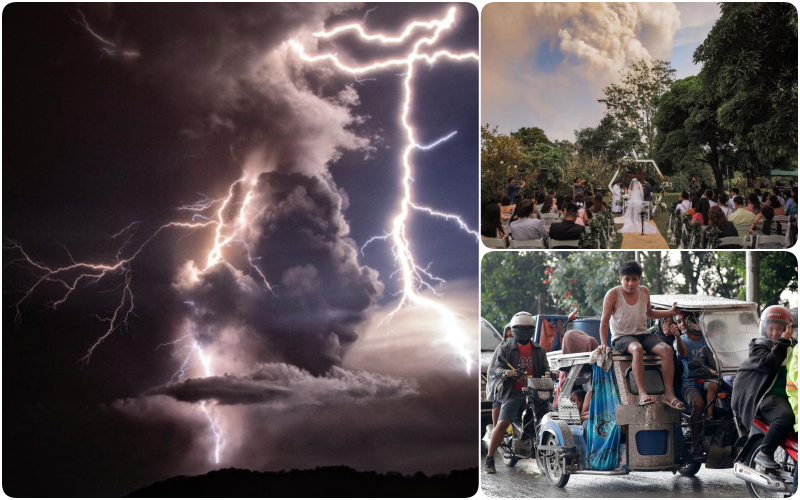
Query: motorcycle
(760, 481)
(520, 440)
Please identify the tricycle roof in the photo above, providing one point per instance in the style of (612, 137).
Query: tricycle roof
(699, 302)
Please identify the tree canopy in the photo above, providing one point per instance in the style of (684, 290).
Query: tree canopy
(750, 72)
(633, 101)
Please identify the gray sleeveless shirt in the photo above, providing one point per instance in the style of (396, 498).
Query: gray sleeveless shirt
(629, 320)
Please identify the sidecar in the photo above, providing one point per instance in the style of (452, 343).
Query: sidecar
(654, 437)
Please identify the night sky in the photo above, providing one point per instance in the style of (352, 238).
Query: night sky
(166, 105)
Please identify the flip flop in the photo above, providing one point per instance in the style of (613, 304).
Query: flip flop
(675, 403)
(647, 401)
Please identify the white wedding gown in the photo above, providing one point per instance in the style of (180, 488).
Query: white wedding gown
(633, 209)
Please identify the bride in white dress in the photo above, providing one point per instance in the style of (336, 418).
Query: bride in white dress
(633, 208)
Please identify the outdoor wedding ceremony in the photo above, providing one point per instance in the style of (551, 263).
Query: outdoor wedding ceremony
(685, 140)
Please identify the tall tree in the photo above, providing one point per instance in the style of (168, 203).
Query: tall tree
(607, 143)
(633, 101)
(777, 270)
(688, 132)
(513, 282)
(530, 137)
(500, 155)
(750, 70)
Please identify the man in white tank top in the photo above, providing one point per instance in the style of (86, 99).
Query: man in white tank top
(626, 309)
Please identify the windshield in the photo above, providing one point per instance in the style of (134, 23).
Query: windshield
(729, 333)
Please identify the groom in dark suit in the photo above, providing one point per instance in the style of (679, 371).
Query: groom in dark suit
(648, 197)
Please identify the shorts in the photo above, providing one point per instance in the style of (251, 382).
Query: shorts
(647, 340)
(692, 391)
(512, 406)
(495, 402)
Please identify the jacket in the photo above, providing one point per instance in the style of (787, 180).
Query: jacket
(510, 351)
(756, 376)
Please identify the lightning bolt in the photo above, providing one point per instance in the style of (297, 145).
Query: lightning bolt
(414, 278)
(109, 48)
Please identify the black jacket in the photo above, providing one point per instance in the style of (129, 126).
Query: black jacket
(566, 230)
(510, 351)
(756, 376)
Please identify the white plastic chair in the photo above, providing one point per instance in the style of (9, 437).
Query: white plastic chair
(527, 244)
(564, 243)
(772, 242)
(740, 241)
(495, 242)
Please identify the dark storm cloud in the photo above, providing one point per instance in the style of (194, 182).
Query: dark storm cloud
(286, 385)
(227, 68)
(321, 293)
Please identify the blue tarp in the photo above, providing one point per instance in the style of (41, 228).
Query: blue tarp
(603, 437)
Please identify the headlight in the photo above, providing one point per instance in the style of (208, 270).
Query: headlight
(544, 394)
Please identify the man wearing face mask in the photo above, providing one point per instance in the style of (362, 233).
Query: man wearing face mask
(524, 354)
(760, 385)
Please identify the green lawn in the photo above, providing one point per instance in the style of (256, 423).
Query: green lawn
(661, 220)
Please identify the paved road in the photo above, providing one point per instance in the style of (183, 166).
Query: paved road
(525, 480)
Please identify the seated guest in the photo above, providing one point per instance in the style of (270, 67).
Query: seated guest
(506, 208)
(753, 203)
(683, 204)
(701, 215)
(599, 204)
(779, 195)
(765, 217)
(741, 216)
(491, 226)
(539, 202)
(568, 229)
(527, 227)
(548, 205)
(723, 204)
(709, 195)
(759, 196)
(717, 219)
(775, 203)
(791, 203)
(734, 194)
(589, 209)
(559, 203)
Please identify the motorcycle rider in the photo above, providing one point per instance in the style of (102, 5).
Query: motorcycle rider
(525, 354)
(760, 386)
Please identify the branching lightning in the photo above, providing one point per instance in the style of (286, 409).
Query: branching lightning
(414, 278)
(109, 48)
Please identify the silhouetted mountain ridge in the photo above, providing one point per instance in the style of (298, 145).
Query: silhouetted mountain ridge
(323, 482)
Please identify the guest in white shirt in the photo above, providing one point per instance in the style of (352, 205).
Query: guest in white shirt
(684, 203)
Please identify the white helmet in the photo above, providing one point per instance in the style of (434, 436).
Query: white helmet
(523, 325)
(522, 318)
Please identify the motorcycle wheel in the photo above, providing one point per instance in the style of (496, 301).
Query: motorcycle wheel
(690, 469)
(750, 460)
(552, 466)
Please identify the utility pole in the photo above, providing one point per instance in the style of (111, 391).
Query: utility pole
(753, 276)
